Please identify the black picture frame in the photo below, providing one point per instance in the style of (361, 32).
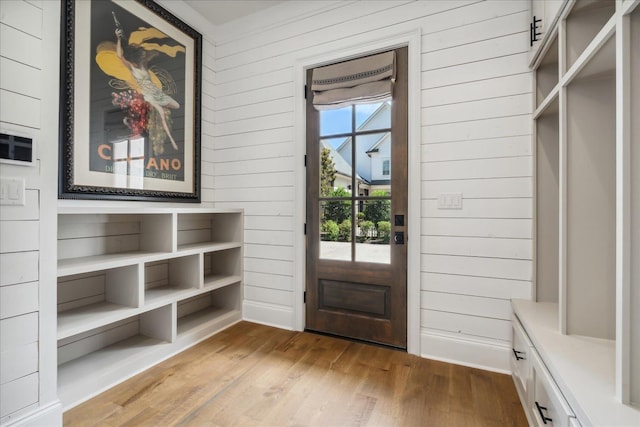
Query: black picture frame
(130, 103)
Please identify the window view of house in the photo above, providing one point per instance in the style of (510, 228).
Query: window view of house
(355, 182)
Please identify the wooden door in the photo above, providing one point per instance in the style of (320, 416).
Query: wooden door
(356, 260)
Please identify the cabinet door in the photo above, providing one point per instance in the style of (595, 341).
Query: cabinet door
(520, 364)
(548, 406)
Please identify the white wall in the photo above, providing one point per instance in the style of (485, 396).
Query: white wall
(29, 64)
(27, 376)
(475, 121)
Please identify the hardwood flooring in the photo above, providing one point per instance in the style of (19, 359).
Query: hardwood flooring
(254, 375)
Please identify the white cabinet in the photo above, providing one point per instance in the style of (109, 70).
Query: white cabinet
(582, 320)
(571, 376)
(547, 404)
(137, 286)
(520, 359)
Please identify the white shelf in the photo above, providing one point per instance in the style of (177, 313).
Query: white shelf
(79, 320)
(129, 279)
(164, 294)
(89, 375)
(80, 208)
(217, 281)
(212, 317)
(69, 266)
(583, 367)
(586, 277)
(207, 247)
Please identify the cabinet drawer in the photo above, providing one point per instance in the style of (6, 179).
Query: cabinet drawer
(548, 406)
(520, 357)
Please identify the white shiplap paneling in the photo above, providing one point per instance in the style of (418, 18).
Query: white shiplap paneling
(489, 287)
(21, 87)
(18, 267)
(475, 115)
(18, 362)
(478, 227)
(18, 299)
(18, 394)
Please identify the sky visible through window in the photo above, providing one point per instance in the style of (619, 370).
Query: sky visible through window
(339, 120)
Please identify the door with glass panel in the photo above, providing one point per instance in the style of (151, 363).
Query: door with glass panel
(356, 259)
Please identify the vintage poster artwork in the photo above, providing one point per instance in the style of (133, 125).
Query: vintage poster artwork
(137, 96)
(134, 97)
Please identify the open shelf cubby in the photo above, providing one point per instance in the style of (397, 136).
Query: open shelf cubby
(547, 73)
(591, 199)
(205, 229)
(220, 307)
(547, 203)
(89, 300)
(93, 360)
(167, 279)
(87, 240)
(586, 19)
(124, 274)
(222, 267)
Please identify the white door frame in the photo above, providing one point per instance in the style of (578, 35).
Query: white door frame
(379, 43)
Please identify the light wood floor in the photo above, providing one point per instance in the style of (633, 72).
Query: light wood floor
(253, 375)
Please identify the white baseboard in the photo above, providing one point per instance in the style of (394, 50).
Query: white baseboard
(44, 416)
(475, 354)
(268, 314)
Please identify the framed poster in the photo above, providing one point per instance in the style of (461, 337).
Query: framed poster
(130, 103)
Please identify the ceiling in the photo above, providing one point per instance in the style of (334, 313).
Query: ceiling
(222, 11)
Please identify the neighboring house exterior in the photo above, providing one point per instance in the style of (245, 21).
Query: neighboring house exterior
(373, 155)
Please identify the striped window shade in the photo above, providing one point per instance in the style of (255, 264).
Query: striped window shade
(358, 81)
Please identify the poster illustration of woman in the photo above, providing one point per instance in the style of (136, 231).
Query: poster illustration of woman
(130, 103)
(137, 94)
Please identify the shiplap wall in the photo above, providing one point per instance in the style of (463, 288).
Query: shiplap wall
(20, 107)
(29, 63)
(475, 124)
(475, 118)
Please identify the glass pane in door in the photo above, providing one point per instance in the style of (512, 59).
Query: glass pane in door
(335, 170)
(373, 231)
(335, 229)
(336, 122)
(373, 116)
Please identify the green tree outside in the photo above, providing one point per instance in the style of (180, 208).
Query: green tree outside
(338, 210)
(377, 210)
(327, 172)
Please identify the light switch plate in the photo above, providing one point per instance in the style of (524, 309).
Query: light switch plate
(450, 201)
(12, 191)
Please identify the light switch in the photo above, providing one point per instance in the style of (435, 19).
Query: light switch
(450, 201)
(12, 191)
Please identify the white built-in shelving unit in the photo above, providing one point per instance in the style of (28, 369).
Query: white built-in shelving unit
(136, 286)
(576, 358)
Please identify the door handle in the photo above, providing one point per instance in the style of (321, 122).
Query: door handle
(542, 414)
(517, 354)
(398, 237)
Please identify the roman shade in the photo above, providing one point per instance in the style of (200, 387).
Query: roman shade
(358, 81)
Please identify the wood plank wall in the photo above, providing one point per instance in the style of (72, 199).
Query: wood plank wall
(475, 122)
(20, 112)
(475, 139)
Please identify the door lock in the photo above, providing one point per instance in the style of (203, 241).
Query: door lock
(398, 238)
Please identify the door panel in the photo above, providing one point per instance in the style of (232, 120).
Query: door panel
(356, 205)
